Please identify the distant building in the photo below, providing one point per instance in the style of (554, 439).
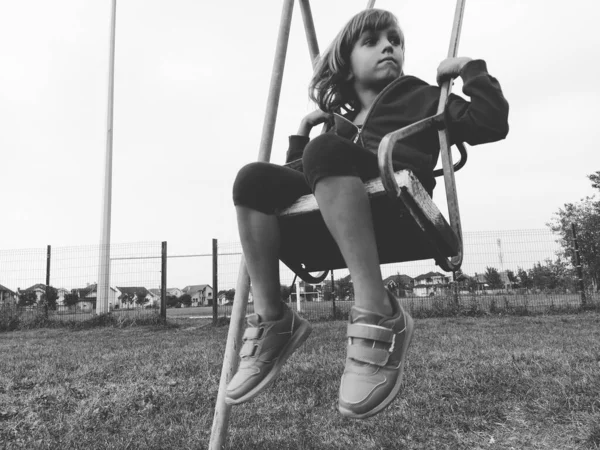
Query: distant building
(431, 283)
(39, 289)
(202, 294)
(7, 296)
(155, 296)
(134, 296)
(399, 285)
(174, 292)
(88, 296)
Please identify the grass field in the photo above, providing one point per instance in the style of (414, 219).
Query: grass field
(471, 383)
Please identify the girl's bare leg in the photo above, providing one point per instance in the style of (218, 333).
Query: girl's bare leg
(345, 207)
(259, 234)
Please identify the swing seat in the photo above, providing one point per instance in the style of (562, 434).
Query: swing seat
(408, 225)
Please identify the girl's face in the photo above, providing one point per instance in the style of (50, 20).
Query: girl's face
(376, 59)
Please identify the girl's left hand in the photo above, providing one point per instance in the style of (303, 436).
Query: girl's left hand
(310, 120)
(450, 68)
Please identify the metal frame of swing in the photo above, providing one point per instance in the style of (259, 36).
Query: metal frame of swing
(401, 187)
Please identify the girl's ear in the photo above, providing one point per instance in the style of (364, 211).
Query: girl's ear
(350, 75)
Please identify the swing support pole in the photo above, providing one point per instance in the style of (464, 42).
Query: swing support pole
(445, 152)
(240, 302)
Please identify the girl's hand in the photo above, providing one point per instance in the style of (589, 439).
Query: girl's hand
(312, 119)
(450, 68)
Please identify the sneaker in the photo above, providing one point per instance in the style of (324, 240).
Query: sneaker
(266, 347)
(377, 347)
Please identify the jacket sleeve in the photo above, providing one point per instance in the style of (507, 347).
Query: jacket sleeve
(296, 147)
(485, 117)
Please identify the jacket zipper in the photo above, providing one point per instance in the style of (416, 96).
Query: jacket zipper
(377, 98)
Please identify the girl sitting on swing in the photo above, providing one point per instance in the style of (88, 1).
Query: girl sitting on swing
(360, 74)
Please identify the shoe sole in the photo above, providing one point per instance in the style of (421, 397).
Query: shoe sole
(386, 402)
(297, 340)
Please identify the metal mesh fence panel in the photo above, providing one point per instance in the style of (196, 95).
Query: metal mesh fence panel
(60, 283)
(514, 271)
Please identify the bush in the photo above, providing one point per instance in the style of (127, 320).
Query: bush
(9, 317)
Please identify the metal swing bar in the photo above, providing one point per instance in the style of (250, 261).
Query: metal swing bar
(242, 288)
(412, 200)
(234, 336)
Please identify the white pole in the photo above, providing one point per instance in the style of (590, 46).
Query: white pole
(104, 270)
(298, 304)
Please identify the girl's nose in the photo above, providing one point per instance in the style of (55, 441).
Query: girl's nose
(387, 47)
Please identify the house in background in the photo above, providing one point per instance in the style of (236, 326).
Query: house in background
(484, 287)
(88, 296)
(155, 296)
(39, 289)
(222, 298)
(7, 296)
(431, 283)
(482, 284)
(202, 294)
(60, 301)
(134, 296)
(308, 292)
(175, 292)
(399, 285)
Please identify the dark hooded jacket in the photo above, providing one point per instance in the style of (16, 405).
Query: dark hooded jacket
(407, 100)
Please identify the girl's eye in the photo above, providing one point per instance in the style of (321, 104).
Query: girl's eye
(369, 40)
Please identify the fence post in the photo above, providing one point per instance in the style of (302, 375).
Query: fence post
(163, 280)
(455, 288)
(580, 285)
(215, 280)
(48, 259)
(333, 295)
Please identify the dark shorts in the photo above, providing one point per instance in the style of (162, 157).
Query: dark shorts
(266, 187)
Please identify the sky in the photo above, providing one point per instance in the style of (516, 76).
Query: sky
(191, 83)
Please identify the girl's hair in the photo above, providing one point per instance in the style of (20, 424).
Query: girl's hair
(330, 87)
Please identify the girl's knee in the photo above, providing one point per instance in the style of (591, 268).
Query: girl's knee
(325, 156)
(247, 180)
(323, 151)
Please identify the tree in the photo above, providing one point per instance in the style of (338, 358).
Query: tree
(28, 298)
(471, 283)
(511, 276)
(595, 179)
(285, 292)
(172, 301)
(186, 299)
(328, 293)
(585, 214)
(493, 279)
(344, 288)
(230, 294)
(524, 279)
(552, 275)
(50, 297)
(72, 298)
(140, 298)
(127, 298)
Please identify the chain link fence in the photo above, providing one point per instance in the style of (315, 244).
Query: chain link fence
(59, 284)
(513, 272)
(519, 272)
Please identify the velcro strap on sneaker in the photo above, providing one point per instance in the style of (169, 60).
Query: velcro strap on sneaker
(247, 348)
(372, 332)
(252, 333)
(377, 356)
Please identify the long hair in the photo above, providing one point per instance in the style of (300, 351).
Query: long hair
(330, 87)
